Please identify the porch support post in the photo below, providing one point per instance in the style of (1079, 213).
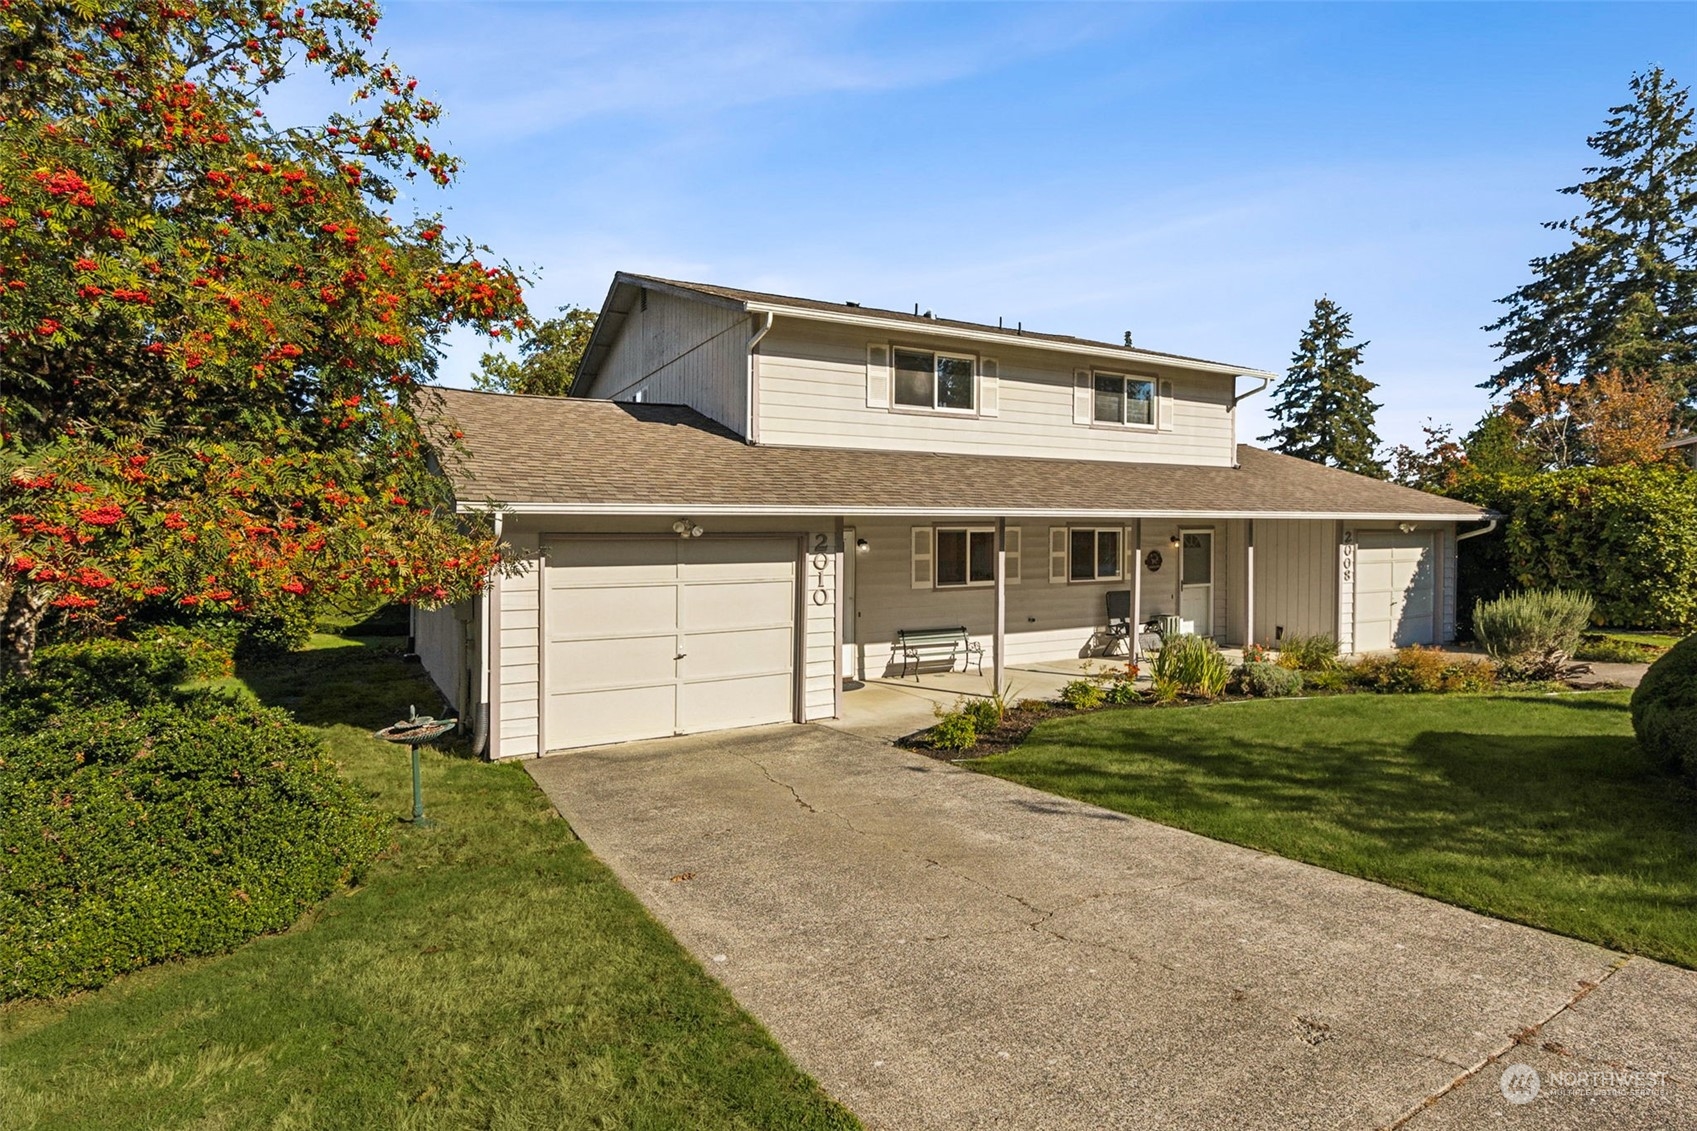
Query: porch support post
(1000, 643)
(1249, 582)
(1136, 649)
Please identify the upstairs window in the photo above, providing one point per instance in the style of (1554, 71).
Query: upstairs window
(934, 380)
(1119, 399)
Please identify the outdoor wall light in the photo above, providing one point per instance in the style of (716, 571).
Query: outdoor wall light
(684, 528)
(1176, 541)
(861, 545)
(1405, 527)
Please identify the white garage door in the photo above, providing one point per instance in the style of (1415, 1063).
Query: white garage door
(1395, 591)
(666, 636)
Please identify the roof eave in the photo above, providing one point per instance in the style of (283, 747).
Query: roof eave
(1004, 338)
(730, 510)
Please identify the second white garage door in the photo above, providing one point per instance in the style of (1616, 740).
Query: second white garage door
(1395, 591)
(648, 638)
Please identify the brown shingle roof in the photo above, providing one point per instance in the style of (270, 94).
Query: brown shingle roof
(566, 454)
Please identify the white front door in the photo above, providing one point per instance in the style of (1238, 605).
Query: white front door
(1196, 580)
(653, 637)
(1395, 591)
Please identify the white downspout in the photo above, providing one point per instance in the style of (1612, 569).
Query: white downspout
(1236, 398)
(753, 431)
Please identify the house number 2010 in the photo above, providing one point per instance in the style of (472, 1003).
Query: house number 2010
(821, 562)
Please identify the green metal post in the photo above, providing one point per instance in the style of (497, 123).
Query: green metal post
(417, 792)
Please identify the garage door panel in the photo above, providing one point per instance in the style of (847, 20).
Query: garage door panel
(735, 558)
(737, 604)
(715, 655)
(614, 662)
(723, 703)
(1396, 591)
(589, 718)
(612, 610)
(597, 562)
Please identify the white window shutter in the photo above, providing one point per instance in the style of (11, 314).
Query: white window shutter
(1013, 541)
(1057, 553)
(1164, 410)
(1081, 396)
(878, 375)
(922, 557)
(989, 388)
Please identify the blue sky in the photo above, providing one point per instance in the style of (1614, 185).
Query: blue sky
(1196, 174)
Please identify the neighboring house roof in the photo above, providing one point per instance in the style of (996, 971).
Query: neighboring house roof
(552, 455)
(623, 294)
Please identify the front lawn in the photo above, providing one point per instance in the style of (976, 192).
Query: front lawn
(1538, 809)
(490, 973)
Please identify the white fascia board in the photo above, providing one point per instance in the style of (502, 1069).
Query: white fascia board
(601, 510)
(1004, 339)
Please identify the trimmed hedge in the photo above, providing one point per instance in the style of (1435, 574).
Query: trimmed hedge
(1625, 535)
(1664, 709)
(134, 833)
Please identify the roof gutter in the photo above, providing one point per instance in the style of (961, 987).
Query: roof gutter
(1003, 338)
(1264, 378)
(1490, 525)
(722, 510)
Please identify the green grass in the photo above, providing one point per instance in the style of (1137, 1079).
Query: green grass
(1535, 809)
(489, 974)
(1633, 636)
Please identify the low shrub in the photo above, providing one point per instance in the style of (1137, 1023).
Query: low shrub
(954, 730)
(1664, 709)
(132, 834)
(76, 675)
(1532, 633)
(208, 650)
(277, 632)
(1193, 665)
(986, 714)
(1083, 694)
(1316, 653)
(1268, 681)
(1340, 678)
(1417, 669)
(1609, 650)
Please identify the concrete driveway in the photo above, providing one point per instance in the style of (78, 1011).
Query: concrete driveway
(942, 949)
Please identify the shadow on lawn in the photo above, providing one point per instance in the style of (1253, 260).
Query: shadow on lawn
(364, 684)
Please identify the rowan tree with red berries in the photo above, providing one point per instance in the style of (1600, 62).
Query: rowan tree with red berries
(211, 327)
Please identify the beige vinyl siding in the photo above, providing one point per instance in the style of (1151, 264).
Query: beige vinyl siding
(818, 574)
(1447, 566)
(812, 393)
(518, 652)
(679, 351)
(1295, 579)
(439, 640)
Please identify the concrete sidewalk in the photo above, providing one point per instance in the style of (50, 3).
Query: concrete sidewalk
(943, 949)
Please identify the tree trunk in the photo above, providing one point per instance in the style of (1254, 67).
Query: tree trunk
(24, 610)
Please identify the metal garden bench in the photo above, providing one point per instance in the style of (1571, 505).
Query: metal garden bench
(919, 646)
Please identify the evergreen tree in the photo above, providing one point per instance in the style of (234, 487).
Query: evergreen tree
(1322, 406)
(1624, 295)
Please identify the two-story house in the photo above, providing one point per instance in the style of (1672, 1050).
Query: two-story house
(748, 497)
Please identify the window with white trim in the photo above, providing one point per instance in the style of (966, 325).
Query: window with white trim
(1120, 399)
(1093, 554)
(924, 379)
(965, 555)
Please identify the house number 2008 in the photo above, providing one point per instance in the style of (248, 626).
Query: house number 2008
(1349, 561)
(821, 562)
